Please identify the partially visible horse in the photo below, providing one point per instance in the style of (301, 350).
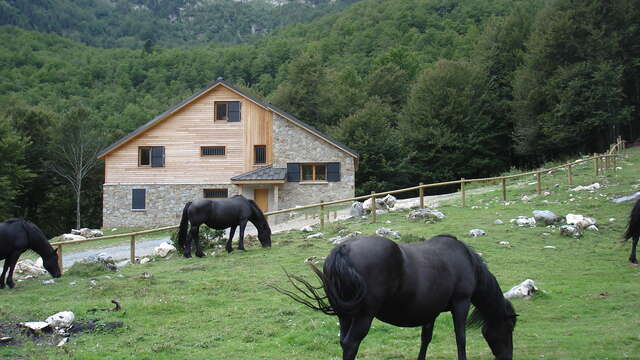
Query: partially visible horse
(633, 232)
(222, 214)
(409, 285)
(18, 236)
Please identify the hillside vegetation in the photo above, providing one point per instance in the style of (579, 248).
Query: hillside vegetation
(425, 90)
(220, 306)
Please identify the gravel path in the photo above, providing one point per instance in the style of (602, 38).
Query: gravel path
(144, 248)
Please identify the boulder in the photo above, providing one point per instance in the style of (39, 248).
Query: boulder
(315, 236)
(380, 204)
(570, 230)
(428, 214)
(477, 232)
(389, 201)
(356, 209)
(546, 216)
(29, 267)
(580, 221)
(72, 237)
(632, 197)
(35, 326)
(62, 319)
(592, 187)
(498, 222)
(164, 249)
(524, 290)
(307, 228)
(524, 221)
(344, 237)
(388, 232)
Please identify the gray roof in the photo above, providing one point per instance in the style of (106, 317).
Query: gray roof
(219, 81)
(263, 173)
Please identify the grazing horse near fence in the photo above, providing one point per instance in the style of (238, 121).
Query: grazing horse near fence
(222, 214)
(633, 232)
(409, 285)
(18, 236)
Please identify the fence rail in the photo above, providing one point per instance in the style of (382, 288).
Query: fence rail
(601, 164)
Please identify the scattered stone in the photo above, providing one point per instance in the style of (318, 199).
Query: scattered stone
(524, 290)
(29, 267)
(87, 233)
(389, 201)
(315, 236)
(380, 204)
(580, 221)
(381, 211)
(546, 216)
(592, 187)
(145, 260)
(549, 247)
(93, 282)
(63, 341)
(477, 232)
(632, 197)
(73, 283)
(475, 207)
(48, 282)
(307, 228)
(120, 275)
(6, 339)
(524, 221)
(504, 243)
(546, 193)
(546, 234)
(72, 237)
(122, 263)
(164, 249)
(570, 230)
(428, 214)
(388, 222)
(498, 222)
(102, 258)
(63, 319)
(35, 326)
(612, 219)
(145, 275)
(356, 209)
(592, 228)
(388, 232)
(525, 198)
(340, 239)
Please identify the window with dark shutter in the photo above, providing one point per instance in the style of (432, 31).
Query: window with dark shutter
(144, 156)
(138, 199)
(293, 172)
(157, 156)
(212, 150)
(260, 154)
(234, 111)
(215, 193)
(222, 112)
(333, 171)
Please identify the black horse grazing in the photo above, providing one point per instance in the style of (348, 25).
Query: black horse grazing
(409, 285)
(16, 237)
(633, 232)
(222, 214)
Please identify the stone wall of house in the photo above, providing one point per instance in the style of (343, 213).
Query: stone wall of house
(291, 143)
(163, 202)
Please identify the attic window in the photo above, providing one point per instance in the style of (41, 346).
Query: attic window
(227, 111)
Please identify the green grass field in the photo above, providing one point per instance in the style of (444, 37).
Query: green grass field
(219, 307)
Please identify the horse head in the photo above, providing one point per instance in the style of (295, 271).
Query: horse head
(50, 263)
(498, 333)
(264, 235)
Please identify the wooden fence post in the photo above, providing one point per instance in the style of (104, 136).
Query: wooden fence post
(504, 189)
(615, 162)
(595, 163)
(59, 253)
(133, 249)
(421, 191)
(464, 203)
(321, 215)
(607, 163)
(538, 183)
(570, 174)
(373, 207)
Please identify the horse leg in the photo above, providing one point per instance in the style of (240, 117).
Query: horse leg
(196, 241)
(243, 225)
(4, 272)
(460, 312)
(232, 232)
(187, 243)
(427, 333)
(9, 264)
(345, 324)
(632, 256)
(357, 331)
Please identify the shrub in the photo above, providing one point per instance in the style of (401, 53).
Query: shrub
(209, 238)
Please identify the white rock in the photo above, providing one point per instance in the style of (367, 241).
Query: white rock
(144, 260)
(388, 232)
(389, 201)
(570, 230)
(592, 228)
(429, 214)
(48, 282)
(549, 247)
(477, 232)
(388, 222)
(546, 193)
(29, 267)
(503, 243)
(356, 209)
(594, 186)
(315, 236)
(164, 249)
(63, 341)
(525, 290)
(524, 221)
(307, 228)
(35, 325)
(63, 319)
(546, 216)
(612, 219)
(70, 237)
(381, 211)
(525, 198)
(498, 222)
(73, 283)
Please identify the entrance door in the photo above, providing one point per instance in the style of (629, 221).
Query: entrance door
(261, 197)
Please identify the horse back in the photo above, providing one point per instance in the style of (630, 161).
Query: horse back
(13, 238)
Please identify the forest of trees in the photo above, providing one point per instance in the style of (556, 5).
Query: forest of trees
(425, 90)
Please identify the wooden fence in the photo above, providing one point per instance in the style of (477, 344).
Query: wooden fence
(602, 163)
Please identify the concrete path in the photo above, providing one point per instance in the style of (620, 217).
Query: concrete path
(144, 248)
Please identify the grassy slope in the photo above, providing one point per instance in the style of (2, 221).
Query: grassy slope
(220, 308)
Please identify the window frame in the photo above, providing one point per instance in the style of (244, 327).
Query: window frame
(215, 110)
(140, 149)
(144, 194)
(224, 151)
(255, 154)
(314, 172)
(204, 193)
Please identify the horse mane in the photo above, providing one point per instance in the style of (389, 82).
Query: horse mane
(633, 229)
(37, 239)
(257, 212)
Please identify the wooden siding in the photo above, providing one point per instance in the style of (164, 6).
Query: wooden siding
(183, 133)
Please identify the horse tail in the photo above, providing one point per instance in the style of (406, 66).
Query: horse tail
(633, 229)
(344, 288)
(182, 230)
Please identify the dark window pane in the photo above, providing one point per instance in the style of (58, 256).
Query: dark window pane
(221, 111)
(145, 156)
(321, 172)
(138, 199)
(216, 193)
(307, 172)
(260, 154)
(212, 150)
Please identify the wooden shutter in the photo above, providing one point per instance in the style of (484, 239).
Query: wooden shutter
(234, 111)
(293, 172)
(333, 171)
(138, 200)
(157, 156)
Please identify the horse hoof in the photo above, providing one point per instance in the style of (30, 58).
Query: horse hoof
(187, 255)
(633, 264)
(200, 255)
(11, 285)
